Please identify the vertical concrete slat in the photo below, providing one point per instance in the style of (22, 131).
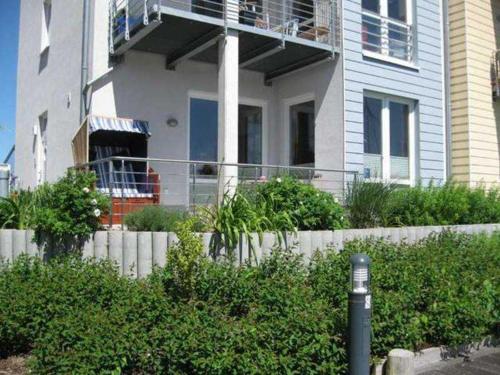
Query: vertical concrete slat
(31, 245)
(338, 239)
(116, 249)
(6, 252)
(88, 248)
(316, 242)
(305, 245)
(268, 242)
(160, 244)
(327, 239)
(101, 245)
(256, 254)
(144, 254)
(206, 238)
(19, 243)
(130, 254)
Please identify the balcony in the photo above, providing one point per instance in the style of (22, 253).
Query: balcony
(275, 36)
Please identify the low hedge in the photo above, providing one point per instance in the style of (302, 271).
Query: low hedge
(282, 316)
(374, 204)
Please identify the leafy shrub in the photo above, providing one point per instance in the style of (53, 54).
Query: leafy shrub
(307, 206)
(238, 216)
(183, 258)
(19, 210)
(157, 219)
(442, 291)
(71, 208)
(379, 204)
(78, 316)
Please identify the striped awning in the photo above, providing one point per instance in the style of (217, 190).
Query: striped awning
(97, 123)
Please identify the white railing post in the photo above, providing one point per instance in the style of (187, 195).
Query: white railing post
(146, 15)
(127, 29)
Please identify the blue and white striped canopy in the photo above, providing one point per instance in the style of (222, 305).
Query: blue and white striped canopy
(118, 125)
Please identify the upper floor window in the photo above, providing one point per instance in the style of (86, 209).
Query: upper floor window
(46, 17)
(387, 28)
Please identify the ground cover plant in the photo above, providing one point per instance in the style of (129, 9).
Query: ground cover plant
(281, 316)
(157, 219)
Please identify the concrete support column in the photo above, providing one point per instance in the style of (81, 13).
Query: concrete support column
(228, 111)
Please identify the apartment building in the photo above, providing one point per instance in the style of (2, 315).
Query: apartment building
(334, 89)
(475, 91)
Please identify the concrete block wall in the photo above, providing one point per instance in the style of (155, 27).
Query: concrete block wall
(136, 253)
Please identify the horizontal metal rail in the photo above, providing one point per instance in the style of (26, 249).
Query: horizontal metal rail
(133, 183)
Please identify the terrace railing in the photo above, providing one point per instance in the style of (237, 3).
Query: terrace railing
(315, 20)
(387, 36)
(133, 183)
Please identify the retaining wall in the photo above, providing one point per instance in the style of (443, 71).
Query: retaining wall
(136, 253)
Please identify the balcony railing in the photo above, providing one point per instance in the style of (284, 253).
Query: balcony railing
(133, 183)
(388, 37)
(312, 20)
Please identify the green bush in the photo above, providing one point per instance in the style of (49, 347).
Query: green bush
(307, 206)
(380, 204)
(78, 316)
(157, 219)
(19, 210)
(71, 208)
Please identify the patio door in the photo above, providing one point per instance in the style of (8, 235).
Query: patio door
(203, 136)
(204, 128)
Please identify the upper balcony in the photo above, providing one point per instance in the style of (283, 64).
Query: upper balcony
(276, 36)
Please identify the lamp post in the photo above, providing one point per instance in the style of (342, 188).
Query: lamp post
(360, 306)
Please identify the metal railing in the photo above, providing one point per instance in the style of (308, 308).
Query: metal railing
(388, 36)
(133, 183)
(495, 75)
(316, 20)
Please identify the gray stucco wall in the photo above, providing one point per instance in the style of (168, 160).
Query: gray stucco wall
(423, 85)
(141, 88)
(46, 84)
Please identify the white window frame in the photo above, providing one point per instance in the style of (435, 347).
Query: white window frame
(386, 137)
(45, 32)
(384, 18)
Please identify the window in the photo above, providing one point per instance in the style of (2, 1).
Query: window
(203, 136)
(388, 138)
(387, 28)
(302, 134)
(41, 149)
(46, 17)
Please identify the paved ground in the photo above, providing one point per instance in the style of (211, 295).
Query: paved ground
(484, 362)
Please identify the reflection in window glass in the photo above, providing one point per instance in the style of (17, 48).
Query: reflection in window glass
(372, 128)
(397, 9)
(302, 134)
(371, 33)
(371, 5)
(250, 135)
(399, 120)
(203, 133)
(399, 41)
